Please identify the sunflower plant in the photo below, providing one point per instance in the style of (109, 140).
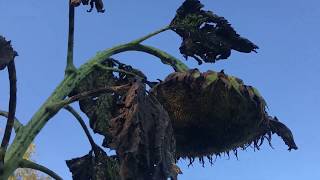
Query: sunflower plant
(150, 125)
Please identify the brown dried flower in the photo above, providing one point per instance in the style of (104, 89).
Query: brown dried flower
(7, 53)
(206, 36)
(98, 4)
(212, 113)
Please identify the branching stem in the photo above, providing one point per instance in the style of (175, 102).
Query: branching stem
(56, 101)
(140, 40)
(12, 111)
(17, 125)
(106, 68)
(83, 125)
(92, 93)
(32, 165)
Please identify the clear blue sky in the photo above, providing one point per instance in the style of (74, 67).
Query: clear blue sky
(286, 71)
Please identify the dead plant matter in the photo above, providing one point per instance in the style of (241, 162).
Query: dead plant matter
(133, 123)
(7, 53)
(102, 108)
(212, 113)
(142, 136)
(98, 4)
(206, 36)
(94, 166)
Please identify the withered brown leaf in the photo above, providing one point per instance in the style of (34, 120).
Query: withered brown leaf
(206, 36)
(142, 136)
(7, 53)
(96, 165)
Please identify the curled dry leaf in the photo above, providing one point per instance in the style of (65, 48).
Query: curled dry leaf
(133, 123)
(95, 165)
(142, 136)
(7, 53)
(206, 36)
(213, 113)
(283, 131)
(98, 4)
(101, 109)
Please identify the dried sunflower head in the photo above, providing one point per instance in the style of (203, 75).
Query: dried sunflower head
(7, 53)
(212, 113)
(206, 36)
(98, 4)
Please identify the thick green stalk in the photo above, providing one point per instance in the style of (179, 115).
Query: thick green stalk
(166, 58)
(30, 131)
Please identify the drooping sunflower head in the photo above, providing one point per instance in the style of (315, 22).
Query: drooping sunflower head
(212, 113)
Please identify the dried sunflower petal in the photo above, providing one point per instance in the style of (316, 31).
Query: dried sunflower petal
(206, 36)
(213, 113)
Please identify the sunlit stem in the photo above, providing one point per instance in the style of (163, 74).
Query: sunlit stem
(32, 165)
(25, 137)
(17, 125)
(140, 40)
(70, 68)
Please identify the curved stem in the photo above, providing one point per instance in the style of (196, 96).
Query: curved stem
(140, 40)
(83, 125)
(70, 68)
(16, 125)
(93, 93)
(12, 110)
(106, 68)
(40, 118)
(166, 58)
(32, 165)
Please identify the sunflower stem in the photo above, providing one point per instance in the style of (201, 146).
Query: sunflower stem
(11, 113)
(106, 68)
(83, 125)
(32, 165)
(140, 40)
(56, 101)
(17, 125)
(70, 68)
